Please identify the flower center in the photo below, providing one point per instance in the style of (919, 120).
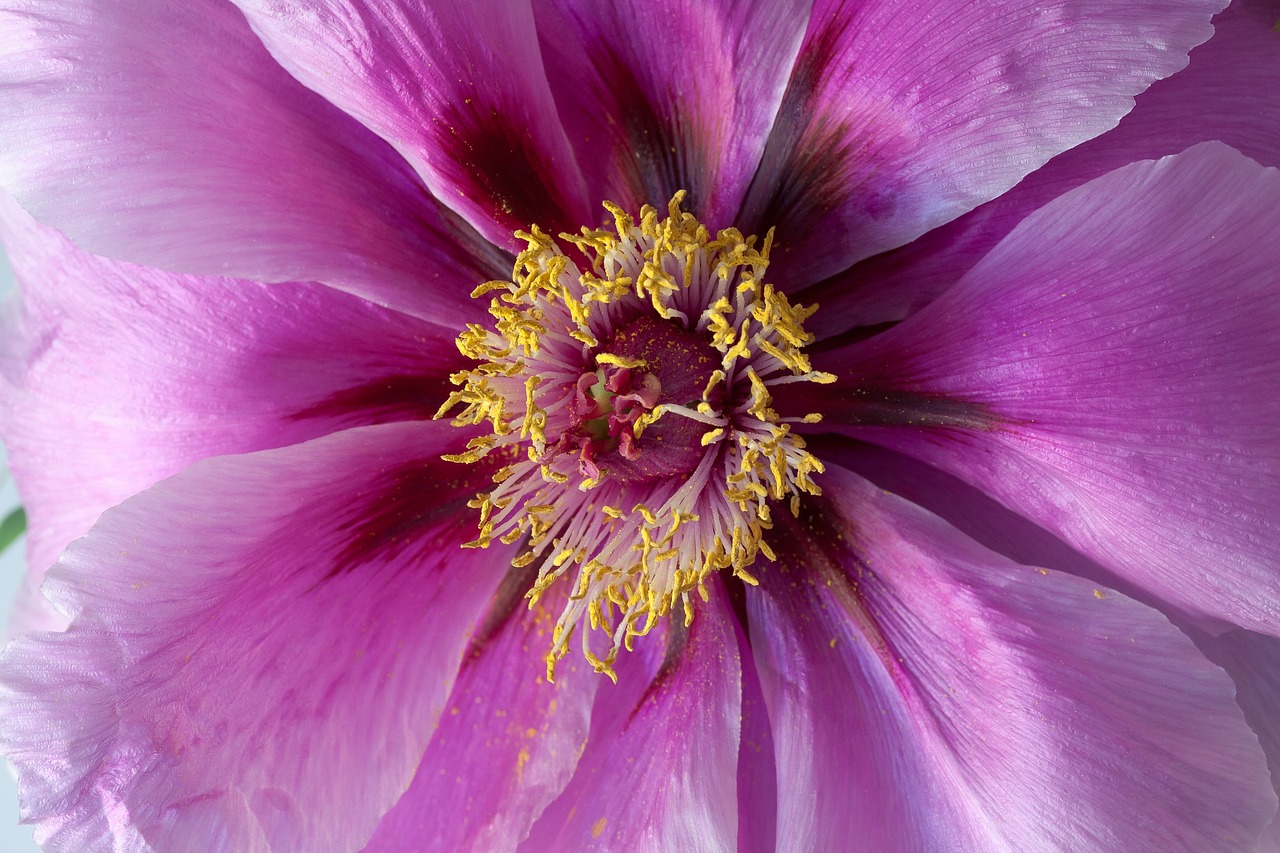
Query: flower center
(648, 363)
(631, 402)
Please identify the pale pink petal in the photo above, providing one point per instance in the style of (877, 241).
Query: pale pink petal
(1112, 371)
(507, 743)
(928, 694)
(114, 376)
(457, 88)
(260, 649)
(660, 767)
(670, 95)
(162, 132)
(899, 117)
(1229, 92)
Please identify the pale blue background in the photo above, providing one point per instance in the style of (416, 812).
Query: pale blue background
(13, 838)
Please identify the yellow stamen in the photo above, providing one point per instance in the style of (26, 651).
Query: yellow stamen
(637, 567)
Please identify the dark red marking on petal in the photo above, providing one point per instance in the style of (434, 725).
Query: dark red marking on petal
(909, 408)
(737, 593)
(847, 405)
(403, 507)
(512, 595)
(823, 557)
(798, 180)
(662, 154)
(677, 633)
(677, 642)
(848, 335)
(382, 400)
(481, 259)
(500, 162)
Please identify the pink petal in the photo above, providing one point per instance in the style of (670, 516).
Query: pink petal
(1229, 92)
(659, 770)
(972, 512)
(1252, 660)
(457, 88)
(163, 133)
(757, 770)
(507, 745)
(901, 116)
(260, 649)
(928, 694)
(1112, 372)
(114, 376)
(670, 95)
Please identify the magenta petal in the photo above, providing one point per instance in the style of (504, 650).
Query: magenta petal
(902, 116)
(664, 95)
(1252, 660)
(260, 649)
(457, 88)
(757, 767)
(1230, 92)
(506, 746)
(1112, 371)
(114, 376)
(163, 133)
(659, 770)
(928, 694)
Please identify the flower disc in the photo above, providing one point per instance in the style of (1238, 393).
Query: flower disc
(631, 406)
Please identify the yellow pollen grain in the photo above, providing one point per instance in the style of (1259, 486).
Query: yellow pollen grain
(522, 758)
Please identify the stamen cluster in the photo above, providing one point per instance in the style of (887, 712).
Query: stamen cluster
(611, 466)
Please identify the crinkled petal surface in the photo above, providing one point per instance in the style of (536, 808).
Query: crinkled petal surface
(660, 767)
(458, 88)
(1230, 92)
(928, 694)
(1112, 371)
(666, 95)
(260, 649)
(114, 376)
(163, 133)
(902, 116)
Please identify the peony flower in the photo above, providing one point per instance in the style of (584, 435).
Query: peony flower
(856, 441)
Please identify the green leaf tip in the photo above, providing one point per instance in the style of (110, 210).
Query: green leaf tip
(14, 525)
